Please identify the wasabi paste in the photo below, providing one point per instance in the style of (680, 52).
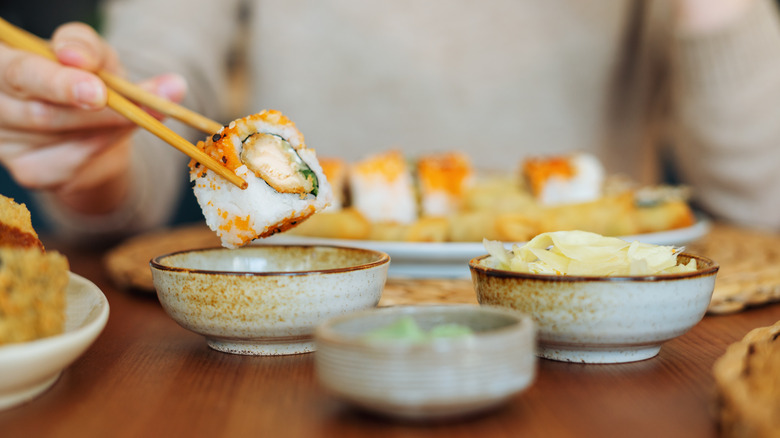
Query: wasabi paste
(406, 329)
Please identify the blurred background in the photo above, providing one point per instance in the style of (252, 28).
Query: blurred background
(42, 17)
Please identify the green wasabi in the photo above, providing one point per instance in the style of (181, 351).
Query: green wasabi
(406, 329)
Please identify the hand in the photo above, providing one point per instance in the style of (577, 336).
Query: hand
(56, 132)
(702, 16)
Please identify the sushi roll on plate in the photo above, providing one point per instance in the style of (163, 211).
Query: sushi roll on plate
(286, 184)
(444, 179)
(566, 179)
(382, 188)
(336, 170)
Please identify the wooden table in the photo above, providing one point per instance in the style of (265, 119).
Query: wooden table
(146, 376)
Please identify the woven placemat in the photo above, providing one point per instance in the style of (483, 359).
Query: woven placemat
(420, 291)
(749, 262)
(128, 263)
(749, 267)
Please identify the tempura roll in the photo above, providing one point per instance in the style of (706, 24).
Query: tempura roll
(285, 181)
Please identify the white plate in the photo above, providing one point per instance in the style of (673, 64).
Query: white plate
(450, 259)
(27, 369)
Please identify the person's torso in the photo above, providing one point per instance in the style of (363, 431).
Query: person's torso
(499, 79)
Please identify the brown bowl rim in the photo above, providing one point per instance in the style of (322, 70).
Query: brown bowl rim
(383, 258)
(709, 270)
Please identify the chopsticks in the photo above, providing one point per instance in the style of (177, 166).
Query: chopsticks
(119, 88)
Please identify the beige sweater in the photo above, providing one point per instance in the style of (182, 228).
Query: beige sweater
(499, 79)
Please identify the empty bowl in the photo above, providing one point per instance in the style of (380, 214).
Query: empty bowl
(436, 378)
(601, 319)
(266, 299)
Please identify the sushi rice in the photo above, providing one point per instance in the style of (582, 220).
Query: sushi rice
(382, 188)
(240, 216)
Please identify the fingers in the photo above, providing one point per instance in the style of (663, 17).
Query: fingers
(170, 86)
(78, 45)
(62, 164)
(28, 76)
(51, 147)
(38, 117)
(104, 165)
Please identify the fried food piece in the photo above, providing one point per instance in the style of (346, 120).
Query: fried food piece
(516, 227)
(32, 281)
(16, 228)
(32, 294)
(498, 194)
(429, 229)
(388, 231)
(608, 216)
(748, 384)
(664, 216)
(473, 226)
(341, 224)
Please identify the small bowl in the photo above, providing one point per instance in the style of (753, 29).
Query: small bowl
(28, 369)
(601, 319)
(266, 299)
(436, 379)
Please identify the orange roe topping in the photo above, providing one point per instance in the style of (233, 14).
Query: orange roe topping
(242, 223)
(221, 147)
(390, 165)
(447, 172)
(538, 171)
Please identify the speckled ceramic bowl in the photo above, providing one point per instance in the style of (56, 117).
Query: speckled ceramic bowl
(601, 319)
(28, 369)
(266, 300)
(437, 379)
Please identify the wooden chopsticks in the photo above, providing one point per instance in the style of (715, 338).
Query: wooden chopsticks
(119, 88)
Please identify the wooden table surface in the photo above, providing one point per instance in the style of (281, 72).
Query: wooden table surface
(146, 376)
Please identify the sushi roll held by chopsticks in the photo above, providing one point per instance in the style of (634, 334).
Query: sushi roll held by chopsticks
(286, 184)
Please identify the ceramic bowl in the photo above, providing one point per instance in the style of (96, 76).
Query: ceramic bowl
(601, 319)
(30, 368)
(436, 379)
(266, 299)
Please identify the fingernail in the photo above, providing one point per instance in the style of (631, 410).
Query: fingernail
(173, 87)
(89, 95)
(74, 54)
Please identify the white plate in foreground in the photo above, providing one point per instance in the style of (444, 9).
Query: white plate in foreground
(450, 259)
(27, 369)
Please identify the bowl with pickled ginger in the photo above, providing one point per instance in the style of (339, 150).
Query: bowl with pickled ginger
(597, 299)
